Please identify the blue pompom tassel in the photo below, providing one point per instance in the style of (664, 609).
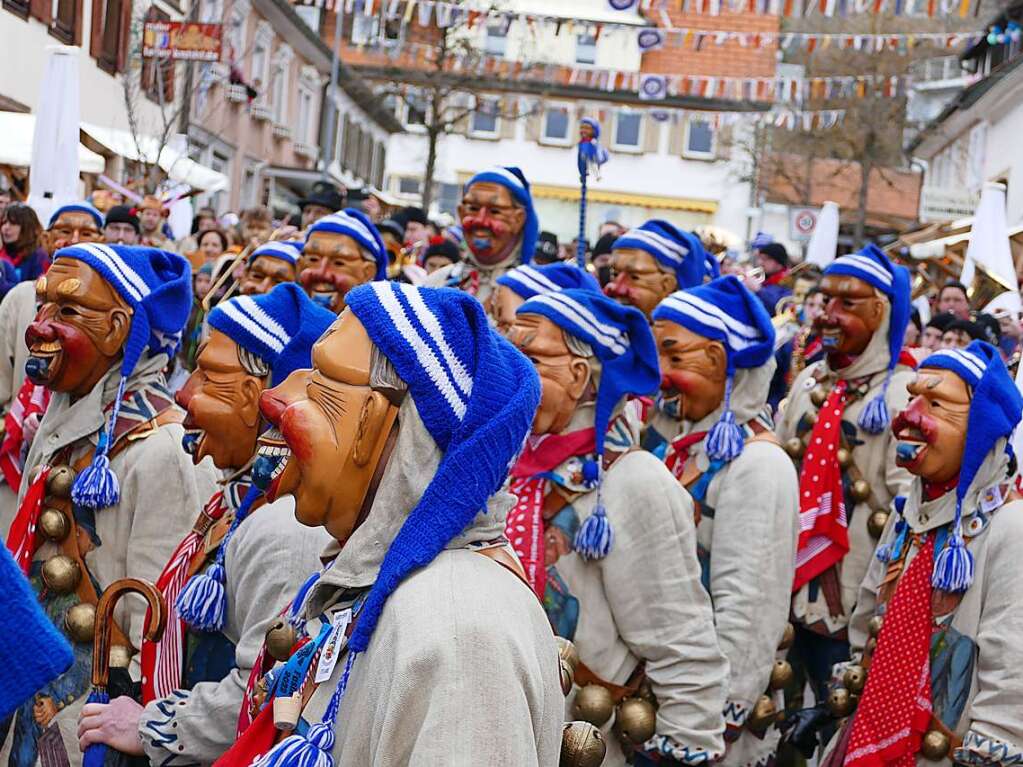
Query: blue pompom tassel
(874, 418)
(202, 604)
(725, 439)
(884, 553)
(591, 472)
(96, 487)
(310, 750)
(953, 569)
(96, 753)
(595, 537)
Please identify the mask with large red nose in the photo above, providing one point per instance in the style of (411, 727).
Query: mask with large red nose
(931, 432)
(492, 221)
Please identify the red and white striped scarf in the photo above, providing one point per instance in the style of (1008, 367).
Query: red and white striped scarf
(895, 711)
(823, 526)
(163, 661)
(20, 425)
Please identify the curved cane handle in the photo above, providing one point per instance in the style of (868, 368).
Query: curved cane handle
(105, 618)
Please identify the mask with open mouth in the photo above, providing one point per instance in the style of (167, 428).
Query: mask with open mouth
(332, 264)
(931, 432)
(852, 314)
(329, 431)
(79, 331)
(491, 220)
(639, 280)
(222, 401)
(693, 371)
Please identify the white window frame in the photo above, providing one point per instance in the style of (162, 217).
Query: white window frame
(367, 26)
(404, 106)
(552, 107)
(263, 44)
(578, 41)
(485, 134)
(499, 28)
(636, 148)
(695, 154)
(280, 84)
(309, 83)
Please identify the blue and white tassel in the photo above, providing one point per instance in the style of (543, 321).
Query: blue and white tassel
(875, 418)
(202, 603)
(97, 487)
(954, 566)
(596, 537)
(725, 438)
(314, 748)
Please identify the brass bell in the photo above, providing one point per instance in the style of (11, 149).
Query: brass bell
(781, 675)
(568, 653)
(855, 678)
(875, 624)
(876, 523)
(935, 745)
(870, 647)
(61, 574)
(280, 638)
(567, 677)
(120, 656)
(582, 745)
(818, 395)
(762, 716)
(811, 418)
(636, 721)
(593, 704)
(794, 447)
(54, 525)
(80, 621)
(840, 702)
(646, 692)
(59, 483)
(860, 490)
(788, 637)
(844, 457)
(34, 474)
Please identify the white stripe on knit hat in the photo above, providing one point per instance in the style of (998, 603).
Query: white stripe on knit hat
(342, 219)
(607, 336)
(865, 264)
(968, 360)
(429, 321)
(290, 253)
(424, 354)
(124, 274)
(674, 251)
(533, 278)
(264, 320)
(253, 328)
(507, 175)
(739, 333)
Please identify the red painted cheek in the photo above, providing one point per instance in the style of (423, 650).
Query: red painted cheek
(677, 381)
(296, 428)
(76, 347)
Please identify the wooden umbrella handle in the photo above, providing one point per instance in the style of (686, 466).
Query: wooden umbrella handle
(105, 621)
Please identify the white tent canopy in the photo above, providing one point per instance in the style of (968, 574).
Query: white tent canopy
(178, 166)
(17, 130)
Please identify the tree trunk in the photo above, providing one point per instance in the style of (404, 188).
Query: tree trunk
(859, 230)
(432, 136)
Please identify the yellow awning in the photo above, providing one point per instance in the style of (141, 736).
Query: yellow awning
(571, 194)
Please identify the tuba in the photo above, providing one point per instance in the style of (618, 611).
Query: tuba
(986, 286)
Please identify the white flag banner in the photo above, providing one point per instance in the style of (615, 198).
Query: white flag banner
(989, 242)
(53, 174)
(824, 240)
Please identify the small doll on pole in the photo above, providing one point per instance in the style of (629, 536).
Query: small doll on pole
(590, 157)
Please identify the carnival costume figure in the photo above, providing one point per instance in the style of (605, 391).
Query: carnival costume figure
(341, 251)
(108, 490)
(243, 559)
(716, 345)
(617, 535)
(422, 642)
(836, 428)
(271, 264)
(937, 662)
(501, 229)
(518, 285)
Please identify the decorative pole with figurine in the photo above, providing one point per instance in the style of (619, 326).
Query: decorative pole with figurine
(590, 157)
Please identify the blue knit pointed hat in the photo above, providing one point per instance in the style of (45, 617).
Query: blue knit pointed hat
(874, 268)
(514, 180)
(724, 310)
(157, 285)
(528, 280)
(283, 250)
(476, 394)
(355, 224)
(995, 410)
(680, 251)
(77, 207)
(621, 339)
(279, 327)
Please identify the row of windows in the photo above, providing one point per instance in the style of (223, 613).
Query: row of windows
(357, 152)
(496, 44)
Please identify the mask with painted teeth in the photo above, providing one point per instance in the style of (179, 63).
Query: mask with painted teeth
(79, 331)
(853, 311)
(931, 432)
